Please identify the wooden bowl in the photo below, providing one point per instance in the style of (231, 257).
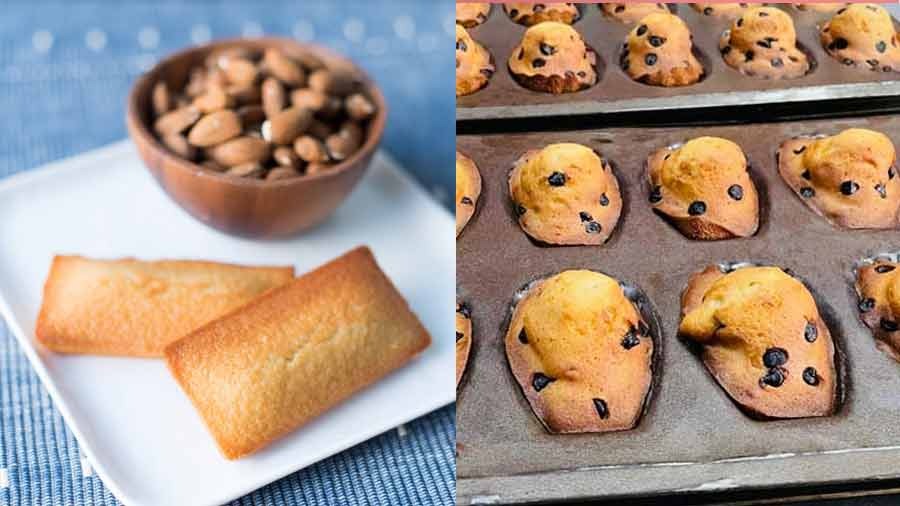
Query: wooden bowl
(241, 206)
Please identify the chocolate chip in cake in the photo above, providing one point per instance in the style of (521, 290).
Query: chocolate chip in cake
(655, 195)
(650, 59)
(806, 175)
(748, 55)
(557, 179)
(523, 336)
(807, 192)
(513, 13)
(459, 335)
(582, 74)
(763, 14)
(866, 305)
(872, 63)
(538, 62)
(465, 200)
(840, 43)
(799, 150)
(774, 357)
(881, 269)
(740, 21)
(461, 46)
(520, 209)
(773, 378)
(630, 340)
(522, 53)
(849, 187)
(764, 43)
(697, 208)
(776, 62)
(881, 46)
(538, 7)
(810, 376)
(725, 50)
(602, 408)
(848, 62)
(641, 30)
(592, 227)
(656, 40)
(882, 191)
(465, 310)
(888, 325)
(708, 11)
(619, 8)
(540, 381)
(604, 200)
(547, 49)
(810, 332)
(585, 216)
(736, 192)
(841, 10)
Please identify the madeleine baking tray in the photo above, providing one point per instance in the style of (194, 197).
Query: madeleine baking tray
(692, 437)
(615, 92)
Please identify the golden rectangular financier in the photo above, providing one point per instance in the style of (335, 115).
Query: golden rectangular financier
(135, 308)
(293, 353)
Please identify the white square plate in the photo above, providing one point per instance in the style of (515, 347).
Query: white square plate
(132, 421)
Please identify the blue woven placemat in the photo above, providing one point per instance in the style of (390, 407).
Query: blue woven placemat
(65, 68)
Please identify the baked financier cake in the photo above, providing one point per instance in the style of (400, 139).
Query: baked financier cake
(659, 51)
(725, 10)
(530, 14)
(760, 336)
(823, 7)
(762, 43)
(135, 308)
(474, 64)
(878, 287)
(581, 353)
(290, 355)
(468, 189)
(463, 338)
(565, 194)
(848, 178)
(633, 12)
(553, 58)
(704, 189)
(862, 35)
(472, 14)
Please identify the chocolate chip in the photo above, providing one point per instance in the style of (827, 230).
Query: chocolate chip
(620, 8)
(776, 62)
(807, 192)
(650, 59)
(848, 62)
(697, 208)
(810, 332)
(799, 150)
(459, 335)
(592, 227)
(656, 41)
(630, 340)
(602, 409)
(881, 46)
(604, 200)
(725, 50)
(641, 30)
(466, 200)
(810, 376)
(520, 209)
(849, 188)
(708, 11)
(461, 46)
(582, 74)
(881, 269)
(547, 49)
(538, 7)
(557, 179)
(748, 55)
(866, 305)
(764, 43)
(774, 357)
(881, 190)
(521, 53)
(538, 62)
(523, 337)
(793, 59)
(655, 195)
(840, 43)
(740, 21)
(872, 63)
(806, 175)
(888, 325)
(540, 381)
(465, 310)
(585, 216)
(763, 14)
(841, 10)
(773, 378)
(513, 13)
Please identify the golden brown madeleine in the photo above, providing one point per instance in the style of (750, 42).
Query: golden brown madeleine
(762, 339)
(472, 14)
(468, 189)
(862, 35)
(704, 189)
(848, 178)
(529, 14)
(474, 64)
(553, 58)
(581, 353)
(819, 7)
(631, 13)
(723, 10)
(288, 356)
(463, 338)
(565, 194)
(762, 43)
(878, 287)
(659, 51)
(135, 308)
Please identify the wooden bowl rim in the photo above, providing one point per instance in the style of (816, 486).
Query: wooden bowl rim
(147, 79)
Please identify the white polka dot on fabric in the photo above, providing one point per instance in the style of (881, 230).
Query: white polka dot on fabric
(428, 42)
(252, 29)
(404, 27)
(86, 468)
(200, 34)
(354, 30)
(148, 37)
(376, 46)
(304, 31)
(42, 41)
(95, 40)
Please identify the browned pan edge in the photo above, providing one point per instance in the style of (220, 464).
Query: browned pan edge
(692, 436)
(616, 92)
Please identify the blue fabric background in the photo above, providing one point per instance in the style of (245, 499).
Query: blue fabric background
(65, 69)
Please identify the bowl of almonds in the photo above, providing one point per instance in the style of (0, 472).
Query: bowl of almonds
(261, 137)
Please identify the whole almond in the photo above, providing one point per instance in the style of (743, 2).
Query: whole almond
(308, 98)
(249, 170)
(273, 96)
(176, 121)
(241, 71)
(283, 68)
(310, 149)
(345, 142)
(287, 125)
(337, 80)
(251, 116)
(214, 99)
(240, 150)
(244, 94)
(281, 173)
(286, 157)
(358, 107)
(180, 146)
(215, 128)
(161, 99)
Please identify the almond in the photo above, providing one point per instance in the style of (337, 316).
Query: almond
(162, 101)
(180, 146)
(249, 170)
(310, 149)
(358, 107)
(286, 157)
(287, 125)
(196, 84)
(281, 173)
(283, 68)
(273, 97)
(240, 71)
(345, 142)
(240, 150)
(176, 121)
(214, 99)
(309, 99)
(215, 128)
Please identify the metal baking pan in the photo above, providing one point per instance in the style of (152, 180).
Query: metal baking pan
(692, 438)
(615, 92)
